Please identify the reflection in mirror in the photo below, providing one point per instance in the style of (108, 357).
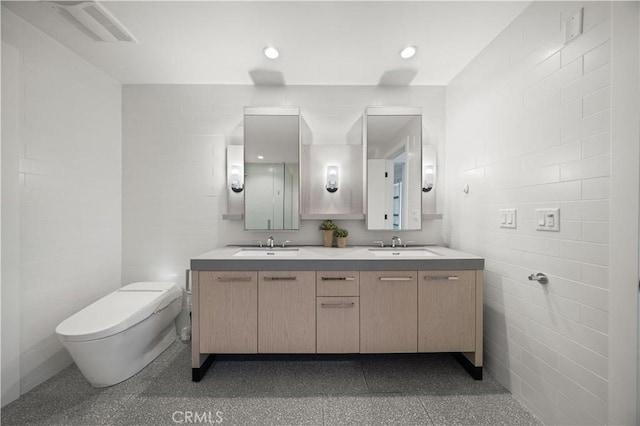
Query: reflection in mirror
(271, 166)
(394, 171)
(429, 183)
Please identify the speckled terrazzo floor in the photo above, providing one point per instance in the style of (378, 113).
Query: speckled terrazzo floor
(425, 390)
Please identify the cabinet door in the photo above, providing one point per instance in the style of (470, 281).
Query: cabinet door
(228, 312)
(388, 311)
(338, 324)
(446, 311)
(286, 312)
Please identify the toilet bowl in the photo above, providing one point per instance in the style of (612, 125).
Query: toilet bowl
(117, 336)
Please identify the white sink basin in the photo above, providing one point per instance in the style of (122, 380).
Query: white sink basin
(267, 252)
(401, 252)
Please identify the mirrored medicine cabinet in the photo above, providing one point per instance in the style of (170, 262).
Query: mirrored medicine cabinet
(264, 174)
(271, 168)
(394, 168)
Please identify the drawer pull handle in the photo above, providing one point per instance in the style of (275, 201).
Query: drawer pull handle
(451, 278)
(280, 278)
(396, 278)
(235, 279)
(338, 305)
(337, 278)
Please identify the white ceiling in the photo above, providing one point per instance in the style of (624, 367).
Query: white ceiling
(322, 42)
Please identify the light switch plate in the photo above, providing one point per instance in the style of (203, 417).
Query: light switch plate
(507, 218)
(548, 220)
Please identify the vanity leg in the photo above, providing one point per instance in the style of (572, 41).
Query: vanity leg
(200, 362)
(198, 373)
(464, 359)
(472, 361)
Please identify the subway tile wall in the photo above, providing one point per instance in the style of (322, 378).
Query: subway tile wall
(528, 126)
(70, 192)
(174, 141)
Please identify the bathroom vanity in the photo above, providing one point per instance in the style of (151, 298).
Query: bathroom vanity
(317, 300)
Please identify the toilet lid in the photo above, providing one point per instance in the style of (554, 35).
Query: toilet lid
(118, 311)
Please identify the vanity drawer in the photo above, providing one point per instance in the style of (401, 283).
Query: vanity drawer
(338, 324)
(338, 283)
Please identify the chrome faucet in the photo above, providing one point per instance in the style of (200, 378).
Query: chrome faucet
(285, 242)
(270, 242)
(379, 242)
(395, 240)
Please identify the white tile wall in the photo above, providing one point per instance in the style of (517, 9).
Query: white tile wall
(549, 344)
(10, 212)
(174, 140)
(70, 194)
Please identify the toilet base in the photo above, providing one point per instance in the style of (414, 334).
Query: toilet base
(166, 339)
(108, 361)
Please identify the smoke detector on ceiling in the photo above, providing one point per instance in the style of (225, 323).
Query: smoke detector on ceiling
(93, 20)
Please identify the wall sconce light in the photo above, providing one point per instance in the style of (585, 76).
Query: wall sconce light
(236, 179)
(333, 176)
(428, 176)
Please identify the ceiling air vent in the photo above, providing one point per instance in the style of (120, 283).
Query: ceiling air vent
(93, 19)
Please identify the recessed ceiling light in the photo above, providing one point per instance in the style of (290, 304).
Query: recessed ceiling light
(408, 52)
(260, 157)
(271, 52)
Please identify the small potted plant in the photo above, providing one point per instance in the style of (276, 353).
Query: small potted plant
(341, 237)
(327, 227)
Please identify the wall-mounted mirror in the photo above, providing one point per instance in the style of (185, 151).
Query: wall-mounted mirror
(271, 167)
(394, 168)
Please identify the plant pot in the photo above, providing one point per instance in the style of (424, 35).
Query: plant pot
(341, 241)
(327, 238)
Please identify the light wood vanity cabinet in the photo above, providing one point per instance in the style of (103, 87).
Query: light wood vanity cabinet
(446, 311)
(338, 311)
(228, 312)
(287, 312)
(388, 311)
(246, 312)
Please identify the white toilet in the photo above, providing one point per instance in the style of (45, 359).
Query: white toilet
(117, 336)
